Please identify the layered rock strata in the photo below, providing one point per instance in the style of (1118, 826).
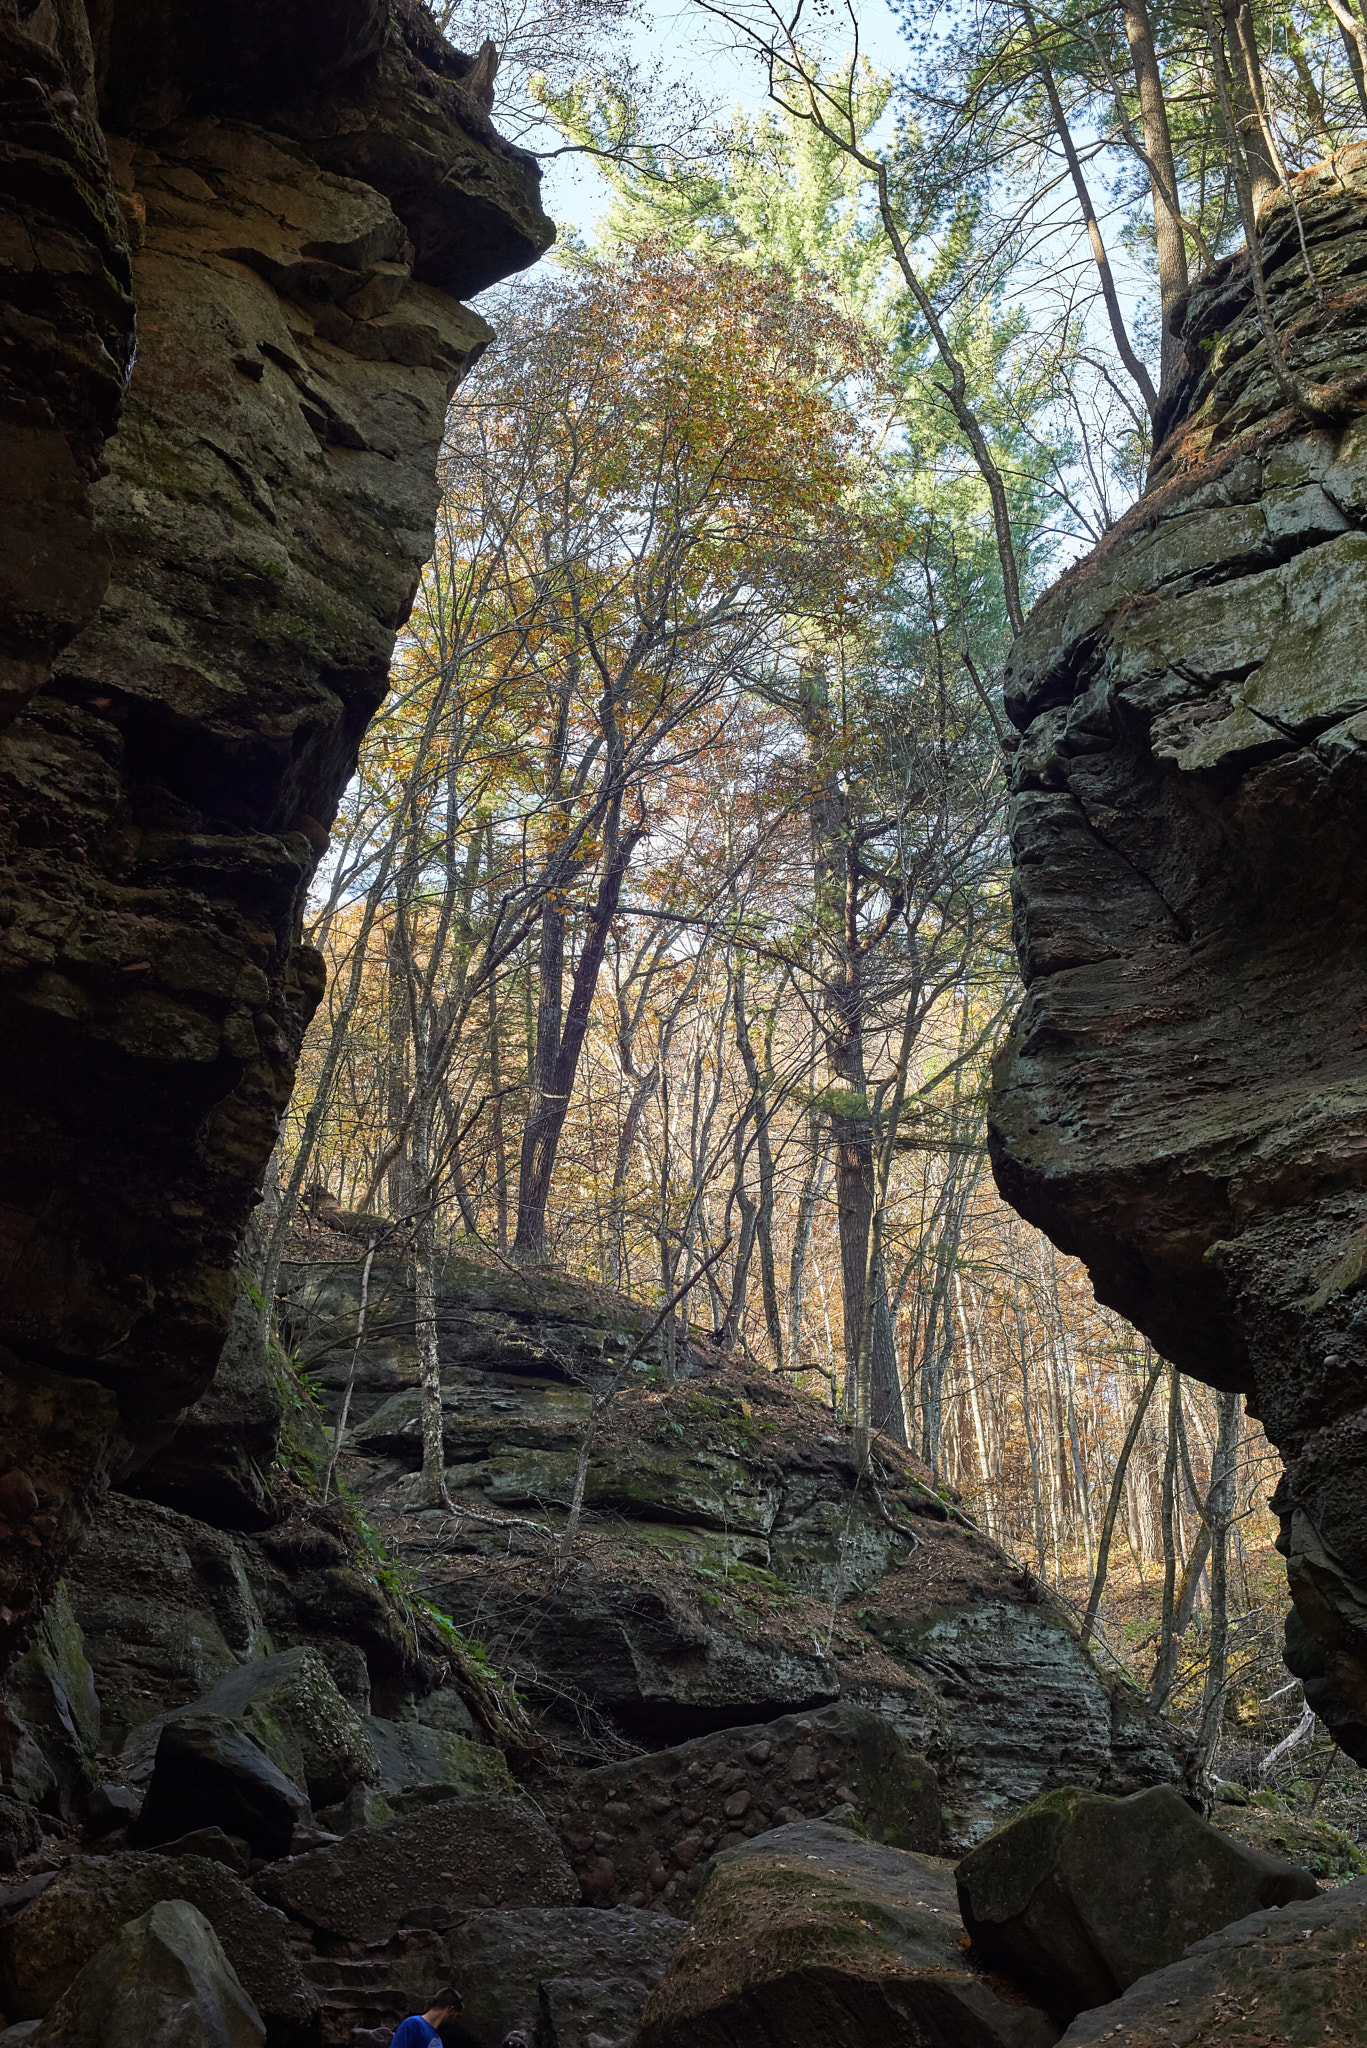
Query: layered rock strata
(1183, 1103)
(235, 246)
(731, 1570)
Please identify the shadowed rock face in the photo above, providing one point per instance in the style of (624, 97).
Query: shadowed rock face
(1184, 1101)
(266, 213)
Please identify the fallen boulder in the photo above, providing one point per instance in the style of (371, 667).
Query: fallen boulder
(558, 1974)
(414, 1763)
(162, 1982)
(43, 1947)
(471, 1852)
(110, 1807)
(643, 1830)
(818, 1939)
(363, 1807)
(290, 1706)
(230, 1850)
(1295, 1976)
(208, 1774)
(1079, 1895)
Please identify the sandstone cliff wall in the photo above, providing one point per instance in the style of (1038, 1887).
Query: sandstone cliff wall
(233, 243)
(1184, 1101)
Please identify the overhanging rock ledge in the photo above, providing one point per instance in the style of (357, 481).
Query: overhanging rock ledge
(1183, 1103)
(232, 244)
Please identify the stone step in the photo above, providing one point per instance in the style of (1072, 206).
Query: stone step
(342, 1970)
(361, 1997)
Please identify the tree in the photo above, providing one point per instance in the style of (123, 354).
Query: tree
(692, 498)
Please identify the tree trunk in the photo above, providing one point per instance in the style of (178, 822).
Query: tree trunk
(433, 1483)
(1242, 45)
(1113, 1504)
(560, 1034)
(399, 981)
(734, 1316)
(1171, 243)
(497, 1124)
(1165, 1664)
(813, 1183)
(1350, 30)
(1219, 1516)
(1109, 294)
(764, 1159)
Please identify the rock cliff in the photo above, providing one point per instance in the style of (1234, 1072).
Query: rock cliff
(732, 1567)
(1184, 1101)
(234, 246)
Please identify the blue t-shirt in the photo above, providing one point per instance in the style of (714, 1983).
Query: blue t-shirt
(414, 2032)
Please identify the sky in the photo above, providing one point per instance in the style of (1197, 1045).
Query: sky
(690, 45)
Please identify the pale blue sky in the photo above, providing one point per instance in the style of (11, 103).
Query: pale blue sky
(690, 45)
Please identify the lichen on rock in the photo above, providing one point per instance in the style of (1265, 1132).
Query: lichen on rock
(1182, 1103)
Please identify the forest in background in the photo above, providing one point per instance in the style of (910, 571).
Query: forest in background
(668, 920)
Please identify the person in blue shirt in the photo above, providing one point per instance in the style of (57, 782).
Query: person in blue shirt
(420, 2030)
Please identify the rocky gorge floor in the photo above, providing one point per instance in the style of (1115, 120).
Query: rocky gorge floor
(368, 1745)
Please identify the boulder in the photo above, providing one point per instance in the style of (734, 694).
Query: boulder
(43, 1947)
(413, 1763)
(209, 1774)
(230, 1850)
(557, 1973)
(1079, 1895)
(475, 1852)
(20, 1833)
(642, 1830)
(51, 1694)
(741, 1574)
(363, 1807)
(290, 1705)
(1313, 1845)
(165, 1608)
(162, 1982)
(1022, 1707)
(169, 1607)
(110, 1807)
(815, 1938)
(1295, 1976)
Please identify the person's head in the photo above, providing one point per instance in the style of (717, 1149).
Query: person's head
(444, 2007)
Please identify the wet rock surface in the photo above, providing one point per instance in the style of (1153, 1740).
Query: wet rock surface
(1297, 1976)
(162, 1982)
(810, 1935)
(1182, 1103)
(1077, 1896)
(211, 559)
